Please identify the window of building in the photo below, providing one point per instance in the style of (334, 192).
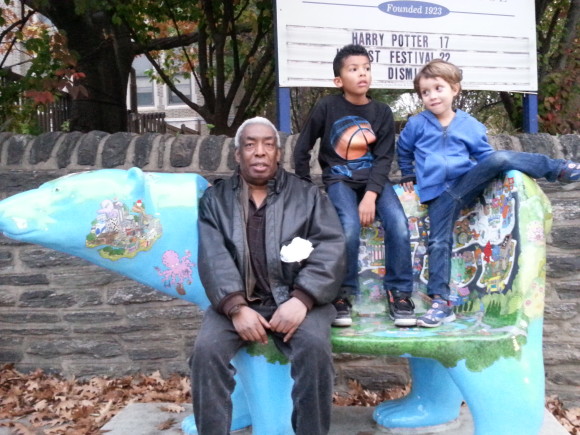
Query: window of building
(145, 87)
(185, 86)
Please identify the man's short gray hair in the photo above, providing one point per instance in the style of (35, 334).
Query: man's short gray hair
(255, 120)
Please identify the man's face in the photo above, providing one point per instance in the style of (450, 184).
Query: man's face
(258, 154)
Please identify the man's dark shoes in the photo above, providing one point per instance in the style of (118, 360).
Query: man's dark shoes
(343, 316)
(570, 173)
(401, 309)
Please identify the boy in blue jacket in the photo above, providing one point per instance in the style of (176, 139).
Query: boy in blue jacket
(448, 152)
(357, 147)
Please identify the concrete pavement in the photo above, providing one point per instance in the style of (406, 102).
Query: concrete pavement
(144, 419)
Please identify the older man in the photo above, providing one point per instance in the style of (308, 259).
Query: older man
(255, 292)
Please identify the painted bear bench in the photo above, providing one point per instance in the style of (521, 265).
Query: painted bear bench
(142, 225)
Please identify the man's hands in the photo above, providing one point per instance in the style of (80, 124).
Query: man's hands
(252, 326)
(288, 317)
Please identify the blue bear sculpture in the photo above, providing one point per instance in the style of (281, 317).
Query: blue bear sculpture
(143, 226)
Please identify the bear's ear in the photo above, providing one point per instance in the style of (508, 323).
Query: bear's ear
(136, 180)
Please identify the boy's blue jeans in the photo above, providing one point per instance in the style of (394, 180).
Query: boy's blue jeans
(399, 276)
(444, 210)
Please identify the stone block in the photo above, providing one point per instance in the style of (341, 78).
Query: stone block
(7, 299)
(86, 369)
(161, 337)
(115, 149)
(42, 147)
(565, 210)
(6, 258)
(568, 289)
(93, 317)
(90, 277)
(118, 330)
(10, 341)
(565, 375)
(16, 147)
(565, 237)
(561, 266)
(556, 352)
(173, 313)
(560, 311)
(28, 317)
(89, 146)
(46, 299)
(542, 143)
(10, 355)
(210, 152)
(66, 148)
(182, 150)
(89, 298)
(570, 146)
(143, 147)
(152, 353)
(24, 280)
(134, 293)
(504, 142)
(72, 346)
(37, 257)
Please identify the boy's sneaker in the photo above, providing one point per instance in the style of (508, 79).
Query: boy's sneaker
(439, 313)
(401, 309)
(343, 317)
(570, 173)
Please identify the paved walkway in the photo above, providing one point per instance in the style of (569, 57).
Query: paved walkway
(143, 419)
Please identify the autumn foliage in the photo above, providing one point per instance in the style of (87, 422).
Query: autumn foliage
(38, 403)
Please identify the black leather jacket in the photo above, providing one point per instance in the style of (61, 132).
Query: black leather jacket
(295, 208)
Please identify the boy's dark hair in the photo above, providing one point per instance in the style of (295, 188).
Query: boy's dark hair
(346, 51)
(438, 68)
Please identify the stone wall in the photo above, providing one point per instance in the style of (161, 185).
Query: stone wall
(64, 315)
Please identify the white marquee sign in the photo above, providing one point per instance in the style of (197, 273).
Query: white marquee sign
(492, 41)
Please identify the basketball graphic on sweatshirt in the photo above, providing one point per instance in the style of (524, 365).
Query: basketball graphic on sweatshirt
(351, 137)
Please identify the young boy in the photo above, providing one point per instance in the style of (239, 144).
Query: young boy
(357, 145)
(448, 151)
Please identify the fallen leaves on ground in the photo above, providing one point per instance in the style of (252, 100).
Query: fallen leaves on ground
(37, 403)
(569, 418)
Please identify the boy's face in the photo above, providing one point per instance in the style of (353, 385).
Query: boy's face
(355, 76)
(437, 96)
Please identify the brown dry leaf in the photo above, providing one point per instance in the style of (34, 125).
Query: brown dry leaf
(41, 405)
(172, 407)
(167, 424)
(573, 415)
(104, 412)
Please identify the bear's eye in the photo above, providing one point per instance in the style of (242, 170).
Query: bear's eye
(56, 189)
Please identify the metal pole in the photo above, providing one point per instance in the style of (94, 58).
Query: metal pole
(530, 113)
(283, 109)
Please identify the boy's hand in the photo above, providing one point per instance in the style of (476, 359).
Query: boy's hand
(367, 208)
(408, 186)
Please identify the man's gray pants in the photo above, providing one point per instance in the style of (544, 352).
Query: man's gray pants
(310, 354)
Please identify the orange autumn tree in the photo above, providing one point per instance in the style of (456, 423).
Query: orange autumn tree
(46, 68)
(228, 47)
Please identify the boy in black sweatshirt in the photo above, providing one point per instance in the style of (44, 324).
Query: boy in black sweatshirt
(357, 145)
